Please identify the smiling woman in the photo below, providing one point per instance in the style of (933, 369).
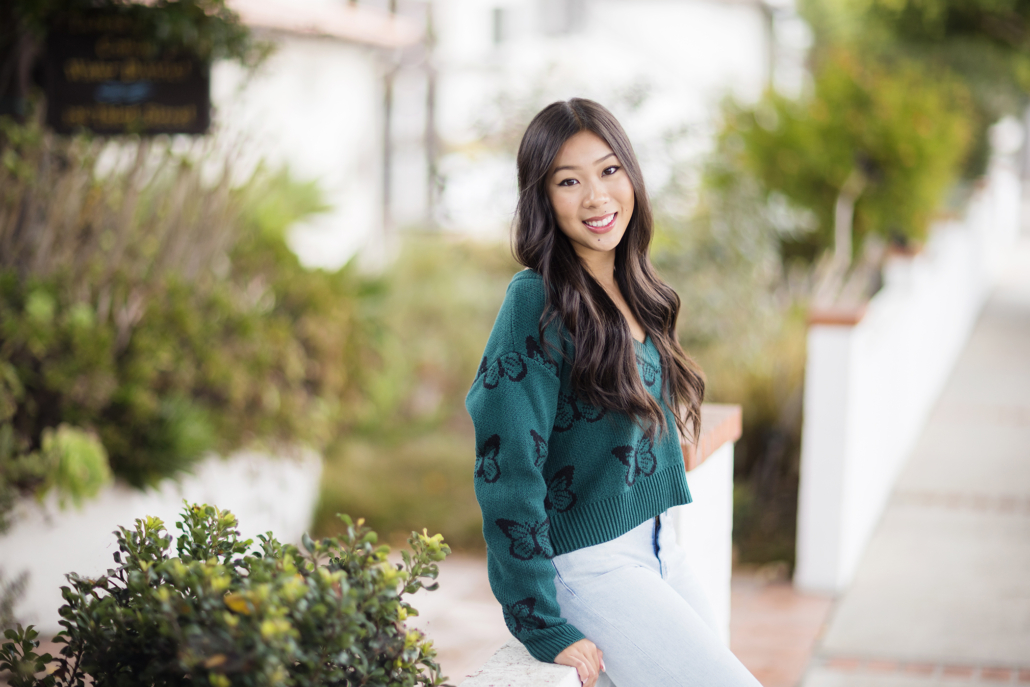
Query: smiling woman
(578, 405)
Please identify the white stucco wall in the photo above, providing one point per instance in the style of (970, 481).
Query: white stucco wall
(704, 529)
(266, 493)
(316, 106)
(870, 387)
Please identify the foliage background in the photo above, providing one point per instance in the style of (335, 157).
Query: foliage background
(155, 313)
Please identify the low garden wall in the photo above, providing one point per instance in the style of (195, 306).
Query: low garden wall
(266, 493)
(703, 528)
(874, 372)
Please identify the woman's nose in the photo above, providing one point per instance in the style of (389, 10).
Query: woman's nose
(595, 193)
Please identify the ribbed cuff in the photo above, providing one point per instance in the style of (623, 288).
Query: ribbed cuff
(544, 645)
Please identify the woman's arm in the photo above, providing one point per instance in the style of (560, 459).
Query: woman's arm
(513, 402)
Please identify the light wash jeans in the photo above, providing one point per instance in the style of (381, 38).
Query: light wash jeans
(636, 598)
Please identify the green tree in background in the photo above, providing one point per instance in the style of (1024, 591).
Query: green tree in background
(985, 43)
(896, 132)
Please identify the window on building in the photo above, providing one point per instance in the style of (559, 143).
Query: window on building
(560, 17)
(500, 25)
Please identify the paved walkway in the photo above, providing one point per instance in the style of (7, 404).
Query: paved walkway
(942, 595)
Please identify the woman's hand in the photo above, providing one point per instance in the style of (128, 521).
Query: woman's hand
(586, 658)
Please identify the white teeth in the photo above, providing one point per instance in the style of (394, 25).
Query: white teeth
(601, 222)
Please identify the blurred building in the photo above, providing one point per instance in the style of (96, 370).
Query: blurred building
(317, 105)
(408, 111)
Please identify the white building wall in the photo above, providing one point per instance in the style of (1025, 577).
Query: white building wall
(316, 106)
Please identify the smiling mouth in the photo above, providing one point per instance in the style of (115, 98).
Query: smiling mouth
(599, 225)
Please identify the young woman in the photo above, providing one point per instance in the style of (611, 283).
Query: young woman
(575, 408)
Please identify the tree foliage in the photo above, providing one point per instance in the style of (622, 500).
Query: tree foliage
(903, 127)
(984, 43)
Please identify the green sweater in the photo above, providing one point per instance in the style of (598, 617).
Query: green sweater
(553, 473)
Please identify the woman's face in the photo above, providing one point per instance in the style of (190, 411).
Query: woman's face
(592, 196)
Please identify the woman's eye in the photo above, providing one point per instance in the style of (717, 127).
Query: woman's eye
(567, 182)
(610, 170)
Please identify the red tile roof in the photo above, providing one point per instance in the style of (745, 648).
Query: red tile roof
(344, 21)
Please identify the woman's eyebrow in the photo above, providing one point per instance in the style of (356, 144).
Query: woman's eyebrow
(596, 162)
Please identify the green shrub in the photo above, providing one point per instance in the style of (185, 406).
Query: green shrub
(222, 612)
(408, 460)
(148, 302)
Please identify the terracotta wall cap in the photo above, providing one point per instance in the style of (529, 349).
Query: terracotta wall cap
(721, 423)
(840, 315)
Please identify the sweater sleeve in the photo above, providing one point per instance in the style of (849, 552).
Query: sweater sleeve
(512, 403)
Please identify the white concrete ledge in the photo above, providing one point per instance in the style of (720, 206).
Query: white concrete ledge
(512, 665)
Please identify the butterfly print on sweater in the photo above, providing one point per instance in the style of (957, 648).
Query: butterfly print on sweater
(571, 410)
(649, 374)
(528, 539)
(559, 491)
(540, 444)
(487, 466)
(510, 366)
(640, 461)
(534, 351)
(519, 617)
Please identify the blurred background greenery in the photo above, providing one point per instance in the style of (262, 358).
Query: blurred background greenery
(151, 310)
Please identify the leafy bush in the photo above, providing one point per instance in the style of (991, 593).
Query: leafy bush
(742, 319)
(221, 612)
(151, 304)
(407, 460)
(10, 592)
(905, 129)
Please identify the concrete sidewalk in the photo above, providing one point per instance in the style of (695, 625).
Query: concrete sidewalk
(942, 595)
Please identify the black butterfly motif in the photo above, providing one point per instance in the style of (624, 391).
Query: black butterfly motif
(528, 539)
(510, 365)
(559, 491)
(519, 616)
(639, 461)
(486, 459)
(541, 448)
(571, 410)
(649, 373)
(534, 351)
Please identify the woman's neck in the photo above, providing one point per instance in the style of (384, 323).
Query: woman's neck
(601, 267)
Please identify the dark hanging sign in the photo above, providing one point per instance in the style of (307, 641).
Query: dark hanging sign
(104, 75)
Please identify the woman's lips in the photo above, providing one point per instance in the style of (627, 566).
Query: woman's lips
(609, 222)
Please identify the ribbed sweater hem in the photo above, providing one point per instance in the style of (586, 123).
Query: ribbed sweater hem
(600, 521)
(546, 644)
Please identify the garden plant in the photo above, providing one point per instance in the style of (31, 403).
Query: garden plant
(218, 610)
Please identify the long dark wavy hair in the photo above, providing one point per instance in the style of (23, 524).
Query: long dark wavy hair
(604, 369)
